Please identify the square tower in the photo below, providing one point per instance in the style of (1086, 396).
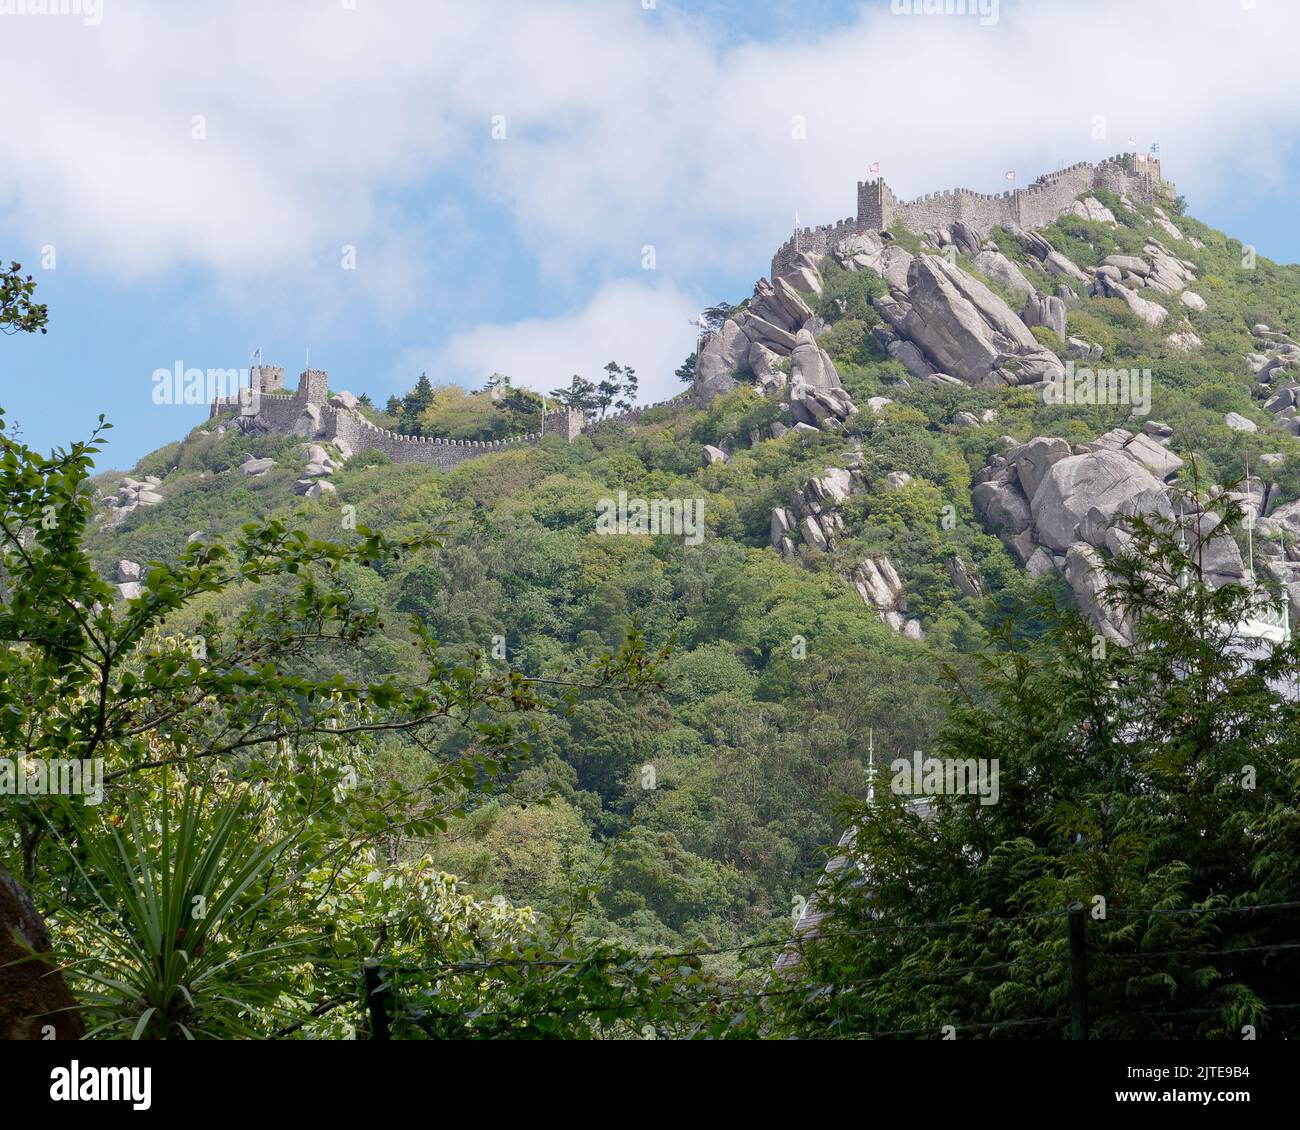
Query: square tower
(566, 422)
(268, 378)
(313, 386)
(874, 200)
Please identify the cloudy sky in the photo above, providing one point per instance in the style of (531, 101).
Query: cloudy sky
(540, 186)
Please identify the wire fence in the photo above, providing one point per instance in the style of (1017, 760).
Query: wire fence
(381, 1004)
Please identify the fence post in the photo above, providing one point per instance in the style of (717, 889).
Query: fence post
(1078, 972)
(375, 999)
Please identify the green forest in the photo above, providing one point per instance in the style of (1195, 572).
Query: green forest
(429, 757)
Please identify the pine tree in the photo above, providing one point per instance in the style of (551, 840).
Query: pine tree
(581, 395)
(1160, 775)
(628, 394)
(414, 403)
(609, 388)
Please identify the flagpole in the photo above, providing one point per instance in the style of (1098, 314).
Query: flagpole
(871, 765)
(1250, 535)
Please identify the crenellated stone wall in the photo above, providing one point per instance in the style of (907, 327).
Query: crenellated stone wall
(1037, 205)
(632, 415)
(308, 413)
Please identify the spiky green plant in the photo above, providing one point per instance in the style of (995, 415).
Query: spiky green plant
(182, 930)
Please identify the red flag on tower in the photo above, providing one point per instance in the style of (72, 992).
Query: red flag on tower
(874, 167)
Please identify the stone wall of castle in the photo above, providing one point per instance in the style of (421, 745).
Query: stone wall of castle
(1037, 205)
(309, 414)
(633, 415)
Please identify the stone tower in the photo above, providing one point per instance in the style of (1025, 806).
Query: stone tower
(873, 210)
(313, 386)
(268, 378)
(566, 422)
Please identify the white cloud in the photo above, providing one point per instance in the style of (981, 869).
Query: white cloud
(624, 126)
(632, 323)
(327, 126)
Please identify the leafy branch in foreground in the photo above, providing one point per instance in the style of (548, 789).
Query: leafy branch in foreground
(19, 312)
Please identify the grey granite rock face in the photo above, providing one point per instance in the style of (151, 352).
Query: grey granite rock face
(1086, 572)
(998, 267)
(1152, 313)
(1033, 459)
(1073, 486)
(964, 329)
(811, 365)
(722, 356)
(1057, 264)
(1090, 208)
(1045, 310)
(1002, 504)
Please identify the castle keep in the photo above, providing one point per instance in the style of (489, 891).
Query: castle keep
(315, 415)
(1048, 197)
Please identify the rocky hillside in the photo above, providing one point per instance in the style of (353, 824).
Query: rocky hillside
(966, 309)
(894, 442)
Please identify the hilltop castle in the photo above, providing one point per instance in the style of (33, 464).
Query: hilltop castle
(314, 414)
(1047, 198)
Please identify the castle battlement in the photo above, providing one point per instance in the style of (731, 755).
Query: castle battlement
(1045, 199)
(308, 413)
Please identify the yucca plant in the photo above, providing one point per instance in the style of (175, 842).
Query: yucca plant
(182, 931)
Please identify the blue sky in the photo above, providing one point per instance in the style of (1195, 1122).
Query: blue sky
(199, 171)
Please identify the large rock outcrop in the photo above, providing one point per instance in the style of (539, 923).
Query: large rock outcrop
(878, 584)
(811, 365)
(867, 251)
(132, 494)
(1070, 509)
(962, 329)
(1045, 310)
(777, 322)
(1104, 480)
(1276, 365)
(1152, 313)
(995, 265)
